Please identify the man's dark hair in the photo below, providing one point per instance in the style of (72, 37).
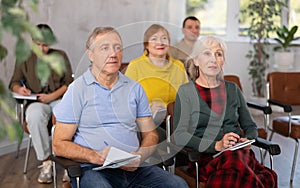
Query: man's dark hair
(189, 18)
(44, 26)
(48, 36)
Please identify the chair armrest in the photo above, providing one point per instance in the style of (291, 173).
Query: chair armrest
(272, 148)
(266, 109)
(167, 159)
(192, 154)
(73, 168)
(286, 107)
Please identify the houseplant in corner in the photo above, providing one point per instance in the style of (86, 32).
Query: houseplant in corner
(262, 15)
(283, 52)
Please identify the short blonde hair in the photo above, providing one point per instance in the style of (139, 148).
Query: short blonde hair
(200, 46)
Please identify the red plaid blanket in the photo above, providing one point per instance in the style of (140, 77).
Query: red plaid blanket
(232, 169)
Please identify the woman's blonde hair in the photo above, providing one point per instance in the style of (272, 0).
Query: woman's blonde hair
(200, 46)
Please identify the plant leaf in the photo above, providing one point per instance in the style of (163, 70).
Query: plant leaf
(15, 131)
(3, 52)
(22, 50)
(43, 71)
(56, 62)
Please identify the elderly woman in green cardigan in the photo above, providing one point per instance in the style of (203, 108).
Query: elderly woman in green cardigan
(211, 115)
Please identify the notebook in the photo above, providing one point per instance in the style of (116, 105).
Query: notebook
(235, 147)
(116, 158)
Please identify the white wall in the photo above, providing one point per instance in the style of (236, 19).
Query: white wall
(72, 21)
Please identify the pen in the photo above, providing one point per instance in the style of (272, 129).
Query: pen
(22, 83)
(105, 143)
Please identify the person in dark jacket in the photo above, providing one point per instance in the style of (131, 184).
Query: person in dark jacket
(25, 81)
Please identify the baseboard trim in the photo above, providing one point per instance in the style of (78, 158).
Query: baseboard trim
(10, 147)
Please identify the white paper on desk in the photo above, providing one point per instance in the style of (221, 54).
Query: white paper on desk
(116, 158)
(235, 147)
(27, 97)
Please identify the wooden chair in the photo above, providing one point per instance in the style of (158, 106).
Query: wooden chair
(262, 132)
(123, 67)
(283, 91)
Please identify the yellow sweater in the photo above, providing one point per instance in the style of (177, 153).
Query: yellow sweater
(159, 83)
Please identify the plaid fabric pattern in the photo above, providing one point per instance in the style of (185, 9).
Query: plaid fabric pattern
(214, 97)
(235, 169)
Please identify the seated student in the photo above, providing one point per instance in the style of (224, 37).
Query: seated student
(158, 73)
(104, 106)
(49, 93)
(210, 115)
(191, 31)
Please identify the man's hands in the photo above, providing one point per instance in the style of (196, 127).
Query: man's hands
(101, 156)
(133, 165)
(44, 98)
(22, 90)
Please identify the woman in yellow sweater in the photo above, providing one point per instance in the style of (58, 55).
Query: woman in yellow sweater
(158, 73)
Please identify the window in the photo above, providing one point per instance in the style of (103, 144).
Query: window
(224, 17)
(294, 14)
(211, 13)
(273, 20)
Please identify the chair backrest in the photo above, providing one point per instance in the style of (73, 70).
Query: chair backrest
(233, 78)
(159, 116)
(123, 67)
(284, 87)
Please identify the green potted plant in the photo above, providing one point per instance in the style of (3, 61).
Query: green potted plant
(283, 53)
(262, 15)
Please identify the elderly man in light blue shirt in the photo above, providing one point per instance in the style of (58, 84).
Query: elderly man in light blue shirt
(105, 107)
(104, 114)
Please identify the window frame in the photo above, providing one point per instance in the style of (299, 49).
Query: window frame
(232, 21)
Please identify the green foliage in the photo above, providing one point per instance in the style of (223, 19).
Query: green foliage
(47, 37)
(15, 21)
(262, 14)
(193, 5)
(9, 126)
(3, 52)
(22, 49)
(285, 37)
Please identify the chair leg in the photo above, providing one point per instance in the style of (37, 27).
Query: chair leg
(77, 182)
(197, 175)
(271, 162)
(294, 160)
(54, 174)
(27, 154)
(262, 157)
(271, 135)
